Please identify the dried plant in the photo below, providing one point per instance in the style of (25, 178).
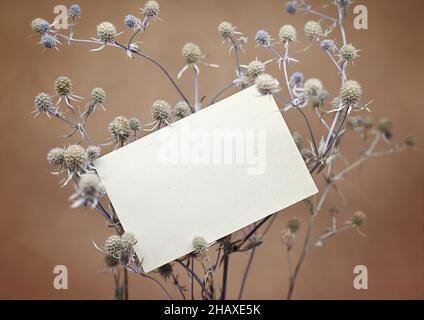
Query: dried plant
(341, 113)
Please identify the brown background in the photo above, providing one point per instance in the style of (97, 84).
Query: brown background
(39, 231)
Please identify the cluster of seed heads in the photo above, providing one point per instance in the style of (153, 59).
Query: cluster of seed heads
(43, 102)
(98, 95)
(351, 93)
(63, 86)
(287, 33)
(182, 109)
(199, 245)
(75, 157)
(226, 30)
(191, 53)
(313, 30)
(116, 244)
(161, 111)
(134, 124)
(120, 128)
(106, 32)
(255, 68)
(267, 84)
(348, 52)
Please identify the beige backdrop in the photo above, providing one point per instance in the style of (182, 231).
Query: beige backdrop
(39, 231)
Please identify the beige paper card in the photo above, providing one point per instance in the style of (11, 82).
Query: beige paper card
(208, 175)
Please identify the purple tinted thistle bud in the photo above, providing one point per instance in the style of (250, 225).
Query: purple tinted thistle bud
(131, 21)
(297, 78)
(74, 11)
(327, 44)
(48, 41)
(263, 38)
(40, 25)
(291, 7)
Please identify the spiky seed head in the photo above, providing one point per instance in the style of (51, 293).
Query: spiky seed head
(56, 157)
(43, 102)
(151, 9)
(263, 38)
(191, 53)
(358, 218)
(134, 124)
(89, 184)
(369, 122)
(327, 44)
(243, 82)
(351, 93)
(182, 109)
(93, 153)
(120, 128)
(75, 157)
(313, 87)
(297, 78)
(128, 239)
(287, 33)
(111, 261)
(255, 68)
(131, 21)
(226, 29)
(294, 225)
(313, 30)
(291, 7)
(48, 41)
(161, 110)
(344, 3)
(318, 100)
(74, 11)
(199, 244)
(40, 25)
(348, 53)
(298, 139)
(63, 86)
(165, 271)
(385, 125)
(266, 84)
(106, 31)
(98, 95)
(114, 246)
(411, 141)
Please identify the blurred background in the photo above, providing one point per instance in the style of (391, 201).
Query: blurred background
(40, 231)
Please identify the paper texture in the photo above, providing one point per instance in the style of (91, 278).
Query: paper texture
(208, 175)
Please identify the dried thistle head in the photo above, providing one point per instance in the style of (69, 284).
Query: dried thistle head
(327, 44)
(48, 41)
(351, 93)
(313, 30)
(358, 218)
(266, 84)
(287, 34)
(63, 86)
(243, 82)
(75, 157)
(74, 11)
(43, 102)
(151, 9)
(98, 95)
(120, 128)
(411, 141)
(165, 271)
(255, 68)
(134, 124)
(114, 246)
(191, 53)
(297, 78)
(111, 261)
(128, 239)
(293, 225)
(56, 157)
(182, 109)
(226, 29)
(106, 32)
(199, 245)
(263, 38)
(89, 185)
(40, 25)
(348, 53)
(291, 7)
(131, 21)
(313, 87)
(385, 126)
(369, 122)
(161, 111)
(93, 153)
